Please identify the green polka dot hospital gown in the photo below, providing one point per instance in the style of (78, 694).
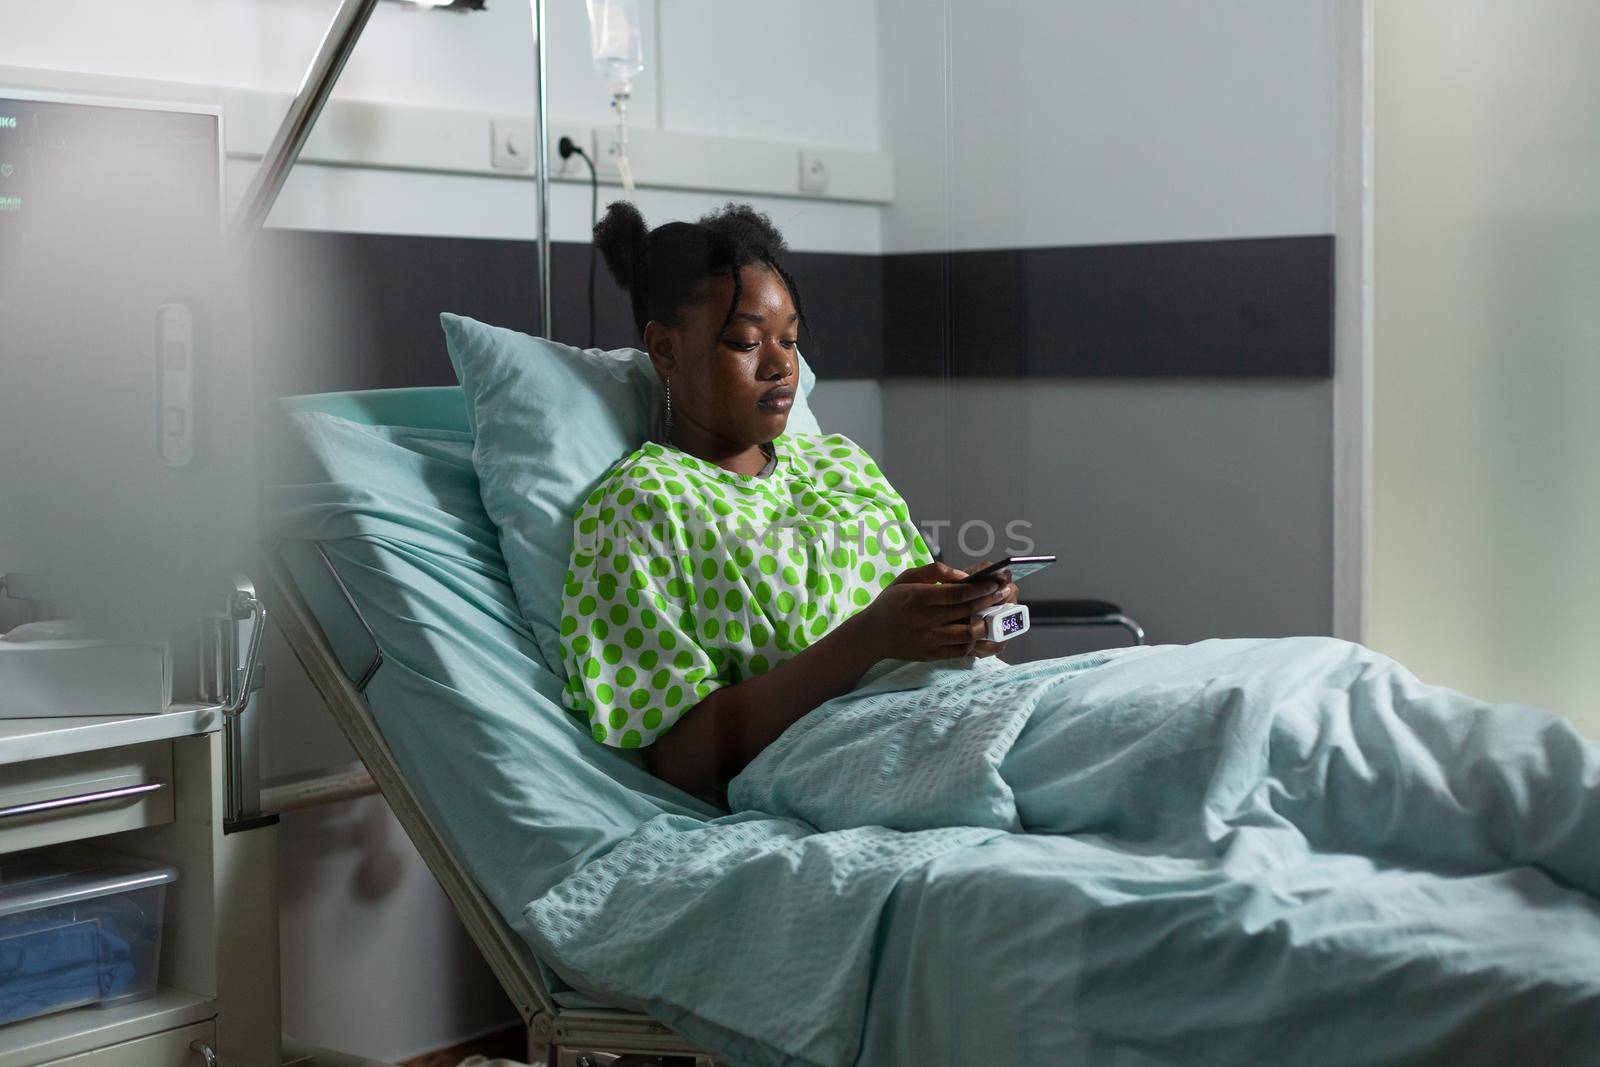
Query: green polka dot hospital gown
(687, 577)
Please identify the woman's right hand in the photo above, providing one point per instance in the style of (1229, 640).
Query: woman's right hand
(928, 613)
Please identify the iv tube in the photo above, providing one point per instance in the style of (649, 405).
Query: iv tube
(618, 58)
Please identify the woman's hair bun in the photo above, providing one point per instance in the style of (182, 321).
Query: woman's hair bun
(746, 228)
(624, 243)
(666, 270)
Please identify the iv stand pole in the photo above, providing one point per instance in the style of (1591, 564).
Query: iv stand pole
(315, 88)
(541, 160)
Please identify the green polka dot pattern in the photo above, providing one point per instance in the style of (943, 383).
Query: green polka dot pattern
(707, 577)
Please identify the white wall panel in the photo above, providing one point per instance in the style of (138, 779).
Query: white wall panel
(482, 62)
(361, 200)
(1051, 122)
(742, 68)
(477, 61)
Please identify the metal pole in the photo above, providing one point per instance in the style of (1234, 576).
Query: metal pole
(541, 153)
(337, 44)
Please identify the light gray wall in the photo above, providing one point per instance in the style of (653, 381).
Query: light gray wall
(1042, 122)
(372, 952)
(853, 407)
(1178, 500)
(1204, 507)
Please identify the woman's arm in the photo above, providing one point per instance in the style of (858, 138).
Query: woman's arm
(925, 614)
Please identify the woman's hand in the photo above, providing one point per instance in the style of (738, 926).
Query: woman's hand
(929, 613)
(1008, 595)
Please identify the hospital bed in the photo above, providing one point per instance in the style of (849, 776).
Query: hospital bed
(326, 625)
(311, 591)
(985, 945)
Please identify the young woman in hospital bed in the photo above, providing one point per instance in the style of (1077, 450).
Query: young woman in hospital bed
(1254, 851)
(730, 578)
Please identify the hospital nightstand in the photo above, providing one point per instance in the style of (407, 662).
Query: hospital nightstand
(152, 786)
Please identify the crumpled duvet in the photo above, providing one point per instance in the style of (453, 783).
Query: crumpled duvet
(1234, 852)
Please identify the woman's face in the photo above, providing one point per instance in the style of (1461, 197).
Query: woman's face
(732, 388)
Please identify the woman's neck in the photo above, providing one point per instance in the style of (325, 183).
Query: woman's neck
(748, 460)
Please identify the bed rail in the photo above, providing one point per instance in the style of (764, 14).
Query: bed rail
(364, 679)
(298, 792)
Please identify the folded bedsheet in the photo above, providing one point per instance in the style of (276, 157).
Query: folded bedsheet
(1235, 852)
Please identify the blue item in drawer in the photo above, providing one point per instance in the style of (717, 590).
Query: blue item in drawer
(47, 965)
(77, 927)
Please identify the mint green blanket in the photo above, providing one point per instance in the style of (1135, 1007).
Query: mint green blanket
(1235, 852)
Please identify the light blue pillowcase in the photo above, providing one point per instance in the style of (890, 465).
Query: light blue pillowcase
(548, 421)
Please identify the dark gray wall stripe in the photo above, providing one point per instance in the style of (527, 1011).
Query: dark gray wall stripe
(361, 311)
(354, 311)
(1254, 307)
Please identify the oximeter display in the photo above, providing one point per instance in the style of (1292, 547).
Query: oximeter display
(1005, 621)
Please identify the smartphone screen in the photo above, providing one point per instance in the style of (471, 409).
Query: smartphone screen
(1019, 566)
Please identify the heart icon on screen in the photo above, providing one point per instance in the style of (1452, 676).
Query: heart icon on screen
(7, 170)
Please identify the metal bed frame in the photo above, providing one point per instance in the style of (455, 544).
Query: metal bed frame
(557, 1036)
(1084, 613)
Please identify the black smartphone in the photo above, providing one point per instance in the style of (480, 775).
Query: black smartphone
(1019, 566)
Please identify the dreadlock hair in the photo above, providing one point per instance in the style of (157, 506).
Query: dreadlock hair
(665, 270)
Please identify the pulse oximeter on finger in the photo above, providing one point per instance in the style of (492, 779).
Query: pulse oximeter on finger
(1005, 621)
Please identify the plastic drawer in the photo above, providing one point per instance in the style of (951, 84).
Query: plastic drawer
(78, 927)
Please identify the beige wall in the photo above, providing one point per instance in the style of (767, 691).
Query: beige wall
(1485, 568)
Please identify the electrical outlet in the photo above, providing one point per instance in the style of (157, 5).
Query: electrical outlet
(511, 144)
(571, 167)
(814, 177)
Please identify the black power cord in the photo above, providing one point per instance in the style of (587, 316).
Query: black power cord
(568, 149)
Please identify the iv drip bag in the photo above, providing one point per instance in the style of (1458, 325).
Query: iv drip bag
(614, 39)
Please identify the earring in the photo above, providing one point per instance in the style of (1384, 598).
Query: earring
(668, 383)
